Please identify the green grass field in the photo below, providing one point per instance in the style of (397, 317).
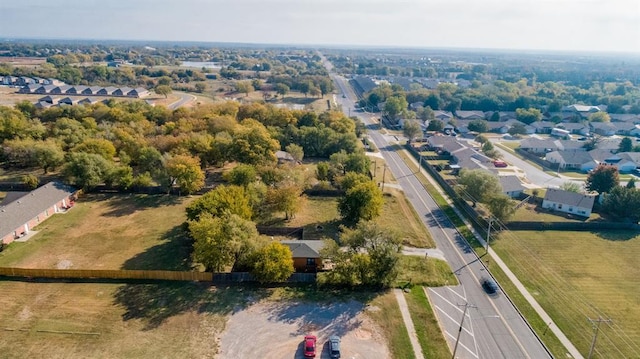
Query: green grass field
(425, 322)
(581, 275)
(390, 320)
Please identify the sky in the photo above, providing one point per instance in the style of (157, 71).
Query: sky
(565, 25)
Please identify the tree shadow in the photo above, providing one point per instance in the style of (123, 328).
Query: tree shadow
(619, 235)
(124, 205)
(313, 310)
(155, 303)
(174, 253)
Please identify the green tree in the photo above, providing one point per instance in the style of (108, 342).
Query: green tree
(163, 90)
(272, 263)
(528, 116)
(478, 185)
(631, 183)
(222, 200)
(322, 171)
(435, 125)
(362, 202)
(325, 85)
(296, 151)
(411, 129)
(185, 172)
(501, 206)
(623, 203)
(13, 124)
(570, 187)
(599, 116)
(426, 114)
(517, 129)
(121, 177)
(626, 145)
(478, 126)
(603, 179)
(86, 170)
(98, 146)
(252, 144)
(281, 89)
(30, 180)
(352, 179)
(482, 139)
(242, 175)
(285, 198)
(489, 150)
(395, 105)
(200, 87)
(244, 87)
(221, 242)
(149, 159)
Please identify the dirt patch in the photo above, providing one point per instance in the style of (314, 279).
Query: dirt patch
(275, 331)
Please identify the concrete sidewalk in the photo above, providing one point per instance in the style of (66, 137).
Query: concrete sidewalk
(571, 349)
(408, 323)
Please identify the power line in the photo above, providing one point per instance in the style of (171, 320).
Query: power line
(595, 335)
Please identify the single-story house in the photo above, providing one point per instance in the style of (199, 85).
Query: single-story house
(93, 90)
(603, 128)
(626, 162)
(122, 91)
(49, 99)
(305, 254)
(76, 90)
(511, 186)
(284, 157)
(444, 144)
(88, 101)
(67, 101)
(576, 128)
(58, 90)
(539, 146)
(443, 116)
(470, 115)
(575, 160)
(19, 217)
(106, 91)
(138, 92)
(568, 202)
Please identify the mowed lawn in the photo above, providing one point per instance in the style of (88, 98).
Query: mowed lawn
(85, 320)
(581, 275)
(108, 232)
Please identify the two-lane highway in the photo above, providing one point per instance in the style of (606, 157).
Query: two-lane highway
(492, 327)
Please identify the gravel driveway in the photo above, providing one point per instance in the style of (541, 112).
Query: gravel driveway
(275, 330)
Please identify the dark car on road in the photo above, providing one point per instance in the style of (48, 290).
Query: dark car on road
(334, 347)
(489, 285)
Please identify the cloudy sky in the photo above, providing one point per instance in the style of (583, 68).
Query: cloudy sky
(588, 25)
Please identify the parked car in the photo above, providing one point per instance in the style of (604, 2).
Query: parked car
(489, 286)
(498, 163)
(334, 347)
(310, 346)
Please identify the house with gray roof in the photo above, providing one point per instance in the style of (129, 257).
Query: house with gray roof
(470, 115)
(443, 116)
(444, 144)
(568, 202)
(511, 186)
(603, 128)
(572, 160)
(576, 128)
(19, 217)
(305, 254)
(538, 146)
(543, 126)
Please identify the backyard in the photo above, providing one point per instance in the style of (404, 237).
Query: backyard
(595, 272)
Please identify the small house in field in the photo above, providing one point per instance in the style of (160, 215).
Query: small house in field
(138, 92)
(305, 254)
(20, 216)
(568, 202)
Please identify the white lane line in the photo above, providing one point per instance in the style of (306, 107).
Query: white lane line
(446, 301)
(460, 344)
(456, 321)
(458, 294)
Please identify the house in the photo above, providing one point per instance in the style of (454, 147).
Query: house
(93, 90)
(470, 159)
(67, 101)
(106, 91)
(538, 146)
(76, 90)
(568, 202)
(305, 254)
(363, 84)
(443, 116)
(138, 92)
(511, 186)
(470, 115)
(19, 217)
(123, 91)
(626, 162)
(576, 128)
(31, 88)
(582, 110)
(625, 128)
(444, 144)
(284, 157)
(543, 126)
(49, 99)
(87, 101)
(572, 160)
(570, 145)
(58, 90)
(603, 128)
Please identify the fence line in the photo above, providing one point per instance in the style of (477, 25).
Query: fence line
(106, 274)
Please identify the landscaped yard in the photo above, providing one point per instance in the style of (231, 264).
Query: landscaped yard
(108, 232)
(581, 275)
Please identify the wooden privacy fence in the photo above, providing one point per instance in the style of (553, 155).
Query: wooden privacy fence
(106, 274)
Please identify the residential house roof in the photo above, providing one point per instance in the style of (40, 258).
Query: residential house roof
(569, 145)
(609, 144)
(304, 248)
(600, 155)
(447, 143)
(624, 117)
(510, 183)
(470, 115)
(19, 212)
(543, 125)
(581, 108)
(569, 198)
(442, 115)
(537, 143)
(572, 126)
(574, 157)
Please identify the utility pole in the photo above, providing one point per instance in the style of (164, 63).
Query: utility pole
(595, 335)
(384, 172)
(375, 167)
(488, 234)
(464, 314)
(420, 163)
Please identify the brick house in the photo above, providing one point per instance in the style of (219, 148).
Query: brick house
(305, 254)
(21, 215)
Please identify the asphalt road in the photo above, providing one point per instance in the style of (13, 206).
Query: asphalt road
(185, 98)
(492, 328)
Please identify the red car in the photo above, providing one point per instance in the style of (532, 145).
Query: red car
(310, 346)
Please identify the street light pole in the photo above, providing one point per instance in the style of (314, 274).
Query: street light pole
(464, 314)
(488, 235)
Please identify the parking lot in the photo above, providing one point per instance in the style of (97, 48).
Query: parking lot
(275, 330)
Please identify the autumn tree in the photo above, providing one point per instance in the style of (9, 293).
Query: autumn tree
(272, 263)
(411, 129)
(163, 90)
(599, 116)
(222, 200)
(98, 146)
(603, 179)
(185, 172)
(244, 87)
(363, 202)
(224, 241)
(296, 151)
(252, 144)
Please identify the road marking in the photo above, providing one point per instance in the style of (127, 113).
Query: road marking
(458, 294)
(461, 345)
(446, 300)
